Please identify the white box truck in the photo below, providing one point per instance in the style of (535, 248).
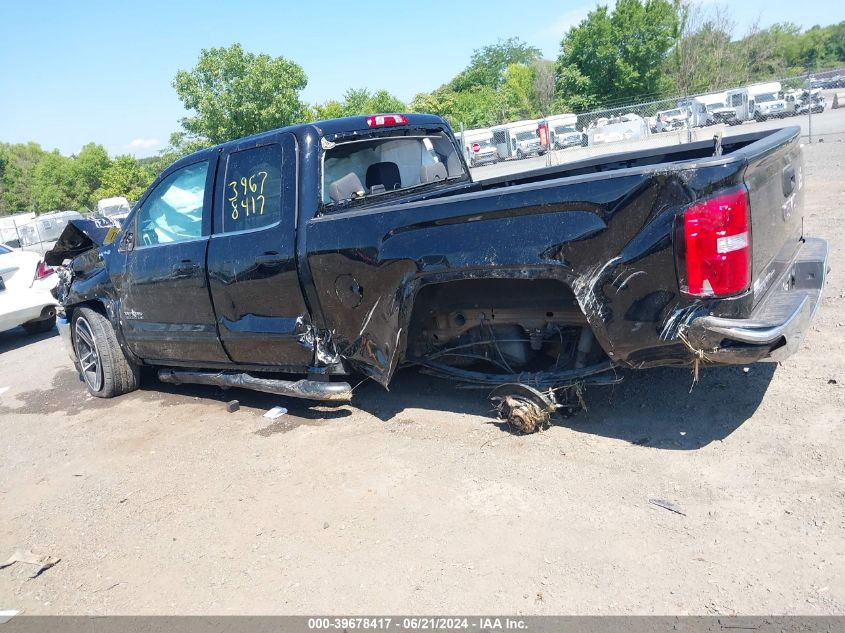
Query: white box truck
(768, 103)
(478, 147)
(563, 133)
(519, 139)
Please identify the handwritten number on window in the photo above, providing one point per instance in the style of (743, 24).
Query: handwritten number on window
(247, 194)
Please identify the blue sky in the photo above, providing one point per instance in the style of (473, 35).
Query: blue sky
(74, 72)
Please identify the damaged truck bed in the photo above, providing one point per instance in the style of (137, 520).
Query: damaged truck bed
(286, 261)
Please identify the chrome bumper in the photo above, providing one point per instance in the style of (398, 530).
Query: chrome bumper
(779, 323)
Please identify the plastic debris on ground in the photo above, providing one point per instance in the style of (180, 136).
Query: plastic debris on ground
(41, 561)
(232, 406)
(667, 505)
(275, 412)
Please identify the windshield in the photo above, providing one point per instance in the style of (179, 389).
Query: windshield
(360, 169)
(565, 129)
(482, 143)
(525, 136)
(117, 209)
(764, 98)
(672, 113)
(715, 106)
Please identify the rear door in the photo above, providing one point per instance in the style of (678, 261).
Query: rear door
(252, 256)
(165, 306)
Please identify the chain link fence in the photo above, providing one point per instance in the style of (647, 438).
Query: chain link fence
(816, 102)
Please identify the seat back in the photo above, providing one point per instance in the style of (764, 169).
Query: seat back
(386, 174)
(432, 172)
(344, 188)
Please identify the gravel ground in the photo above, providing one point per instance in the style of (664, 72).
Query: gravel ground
(416, 500)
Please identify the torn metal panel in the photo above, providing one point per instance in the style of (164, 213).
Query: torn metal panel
(307, 389)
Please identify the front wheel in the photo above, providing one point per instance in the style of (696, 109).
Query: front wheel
(102, 364)
(519, 154)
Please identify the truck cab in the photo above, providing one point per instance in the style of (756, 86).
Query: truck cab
(739, 108)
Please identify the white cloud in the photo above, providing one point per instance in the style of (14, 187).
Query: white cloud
(139, 144)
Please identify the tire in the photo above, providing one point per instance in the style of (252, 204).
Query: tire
(102, 364)
(519, 154)
(39, 327)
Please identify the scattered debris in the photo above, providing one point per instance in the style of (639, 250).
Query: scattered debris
(831, 381)
(7, 614)
(232, 406)
(275, 412)
(667, 505)
(42, 561)
(326, 525)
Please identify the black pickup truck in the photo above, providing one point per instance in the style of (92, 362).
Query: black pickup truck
(285, 261)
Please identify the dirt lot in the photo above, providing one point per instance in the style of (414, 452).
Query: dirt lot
(417, 501)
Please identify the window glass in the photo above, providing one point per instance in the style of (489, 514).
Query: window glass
(252, 196)
(173, 211)
(4, 250)
(357, 171)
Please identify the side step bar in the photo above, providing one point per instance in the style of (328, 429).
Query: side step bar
(307, 389)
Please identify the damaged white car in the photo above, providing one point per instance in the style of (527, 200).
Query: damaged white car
(25, 297)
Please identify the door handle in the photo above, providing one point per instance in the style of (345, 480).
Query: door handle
(185, 268)
(270, 257)
(788, 180)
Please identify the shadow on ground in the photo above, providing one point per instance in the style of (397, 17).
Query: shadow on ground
(655, 408)
(17, 338)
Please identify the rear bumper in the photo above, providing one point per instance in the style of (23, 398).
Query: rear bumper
(779, 323)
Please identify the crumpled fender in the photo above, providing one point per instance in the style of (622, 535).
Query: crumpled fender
(78, 237)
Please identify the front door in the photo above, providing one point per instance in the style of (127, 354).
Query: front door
(164, 301)
(252, 257)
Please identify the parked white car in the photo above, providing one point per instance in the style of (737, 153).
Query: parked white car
(25, 298)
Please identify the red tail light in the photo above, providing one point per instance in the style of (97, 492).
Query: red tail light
(716, 258)
(380, 120)
(43, 270)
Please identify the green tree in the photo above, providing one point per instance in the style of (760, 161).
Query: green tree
(618, 55)
(87, 170)
(235, 94)
(488, 65)
(705, 58)
(53, 184)
(359, 101)
(518, 93)
(544, 85)
(17, 163)
(331, 109)
(479, 106)
(126, 177)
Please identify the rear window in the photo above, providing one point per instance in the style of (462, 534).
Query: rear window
(364, 169)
